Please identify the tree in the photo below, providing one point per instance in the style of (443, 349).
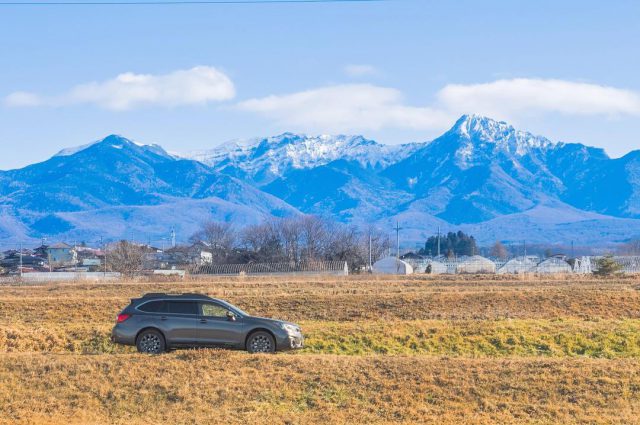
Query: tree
(453, 243)
(314, 237)
(345, 244)
(607, 266)
(220, 237)
(380, 244)
(291, 233)
(126, 258)
(264, 240)
(498, 250)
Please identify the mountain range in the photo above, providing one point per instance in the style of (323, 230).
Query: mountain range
(481, 176)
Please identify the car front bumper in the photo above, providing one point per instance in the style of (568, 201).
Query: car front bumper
(286, 342)
(296, 342)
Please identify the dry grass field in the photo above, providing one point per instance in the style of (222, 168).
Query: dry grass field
(446, 350)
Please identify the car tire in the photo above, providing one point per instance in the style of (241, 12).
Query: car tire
(151, 341)
(261, 342)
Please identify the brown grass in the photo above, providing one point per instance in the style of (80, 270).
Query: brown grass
(219, 387)
(445, 350)
(344, 299)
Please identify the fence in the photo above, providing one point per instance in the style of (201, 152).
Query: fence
(67, 276)
(336, 268)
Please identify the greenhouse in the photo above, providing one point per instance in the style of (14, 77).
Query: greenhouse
(391, 265)
(553, 265)
(476, 264)
(519, 265)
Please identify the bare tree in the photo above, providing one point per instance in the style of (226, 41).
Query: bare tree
(126, 258)
(291, 232)
(498, 250)
(220, 237)
(380, 243)
(345, 244)
(264, 240)
(314, 236)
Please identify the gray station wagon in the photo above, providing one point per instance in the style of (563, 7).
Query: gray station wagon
(158, 322)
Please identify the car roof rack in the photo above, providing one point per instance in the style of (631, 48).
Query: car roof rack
(185, 295)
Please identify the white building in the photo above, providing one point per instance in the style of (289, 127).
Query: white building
(391, 265)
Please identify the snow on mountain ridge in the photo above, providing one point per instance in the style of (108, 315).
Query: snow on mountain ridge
(480, 130)
(116, 141)
(277, 154)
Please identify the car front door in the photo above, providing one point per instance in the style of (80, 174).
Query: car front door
(216, 328)
(180, 322)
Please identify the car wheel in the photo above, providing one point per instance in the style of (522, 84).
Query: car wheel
(261, 342)
(151, 341)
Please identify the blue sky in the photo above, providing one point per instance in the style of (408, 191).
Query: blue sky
(193, 76)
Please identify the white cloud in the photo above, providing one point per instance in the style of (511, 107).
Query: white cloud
(21, 98)
(198, 85)
(363, 107)
(511, 98)
(346, 108)
(360, 70)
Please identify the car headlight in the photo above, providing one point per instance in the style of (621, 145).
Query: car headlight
(290, 329)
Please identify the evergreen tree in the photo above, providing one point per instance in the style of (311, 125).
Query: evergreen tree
(451, 244)
(607, 266)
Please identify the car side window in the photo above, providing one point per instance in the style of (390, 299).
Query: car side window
(213, 310)
(154, 307)
(183, 307)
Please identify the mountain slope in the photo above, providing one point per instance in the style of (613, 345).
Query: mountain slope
(116, 174)
(476, 171)
(482, 175)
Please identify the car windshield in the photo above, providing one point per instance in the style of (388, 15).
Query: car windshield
(234, 308)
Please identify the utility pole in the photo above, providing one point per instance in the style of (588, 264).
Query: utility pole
(438, 241)
(104, 252)
(573, 255)
(398, 240)
(21, 261)
(524, 243)
(370, 254)
(173, 237)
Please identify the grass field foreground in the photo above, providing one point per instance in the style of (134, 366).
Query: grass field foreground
(379, 350)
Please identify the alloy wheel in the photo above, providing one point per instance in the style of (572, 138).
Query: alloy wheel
(150, 343)
(261, 344)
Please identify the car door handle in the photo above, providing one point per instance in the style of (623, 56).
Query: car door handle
(163, 318)
(203, 320)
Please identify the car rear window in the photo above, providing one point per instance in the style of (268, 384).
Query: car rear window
(183, 307)
(154, 307)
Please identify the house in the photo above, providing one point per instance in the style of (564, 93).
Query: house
(62, 254)
(12, 259)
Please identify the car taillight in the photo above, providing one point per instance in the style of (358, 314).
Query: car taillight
(122, 317)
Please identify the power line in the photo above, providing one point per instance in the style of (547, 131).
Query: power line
(173, 2)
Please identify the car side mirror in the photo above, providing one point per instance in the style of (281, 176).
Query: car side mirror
(231, 316)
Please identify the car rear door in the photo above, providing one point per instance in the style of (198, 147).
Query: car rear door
(180, 322)
(216, 329)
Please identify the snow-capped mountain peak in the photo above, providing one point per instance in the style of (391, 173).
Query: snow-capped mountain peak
(272, 156)
(116, 142)
(480, 131)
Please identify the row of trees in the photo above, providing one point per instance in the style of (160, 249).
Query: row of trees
(291, 240)
(297, 239)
